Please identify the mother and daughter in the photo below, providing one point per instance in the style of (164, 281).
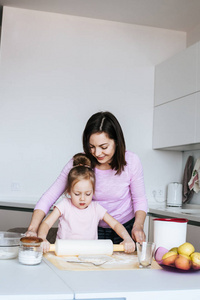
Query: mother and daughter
(104, 188)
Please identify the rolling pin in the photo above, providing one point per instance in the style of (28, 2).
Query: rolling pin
(81, 247)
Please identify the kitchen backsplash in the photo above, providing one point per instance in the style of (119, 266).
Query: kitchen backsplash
(195, 154)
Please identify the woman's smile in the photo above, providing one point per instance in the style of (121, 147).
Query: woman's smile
(100, 158)
(102, 148)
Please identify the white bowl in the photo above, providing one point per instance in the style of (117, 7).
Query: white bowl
(9, 244)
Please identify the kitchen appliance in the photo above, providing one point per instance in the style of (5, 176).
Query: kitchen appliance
(174, 194)
(169, 233)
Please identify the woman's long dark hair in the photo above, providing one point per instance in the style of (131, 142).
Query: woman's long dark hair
(106, 122)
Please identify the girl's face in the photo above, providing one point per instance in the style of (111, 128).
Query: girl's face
(102, 148)
(81, 194)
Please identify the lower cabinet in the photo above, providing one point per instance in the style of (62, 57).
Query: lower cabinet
(150, 231)
(193, 236)
(12, 219)
(146, 227)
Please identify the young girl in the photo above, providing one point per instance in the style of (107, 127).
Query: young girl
(78, 215)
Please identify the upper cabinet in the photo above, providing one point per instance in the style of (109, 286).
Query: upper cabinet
(177, 76)
(175, 123)
(177, 102)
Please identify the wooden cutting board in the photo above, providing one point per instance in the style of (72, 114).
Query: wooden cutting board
(117, 261)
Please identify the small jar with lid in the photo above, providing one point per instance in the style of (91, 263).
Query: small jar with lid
(30, 251)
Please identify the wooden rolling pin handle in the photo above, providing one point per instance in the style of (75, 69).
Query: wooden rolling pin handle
(52, 247)
(119, 247)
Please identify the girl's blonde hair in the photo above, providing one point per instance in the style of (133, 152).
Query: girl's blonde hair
(81, 170)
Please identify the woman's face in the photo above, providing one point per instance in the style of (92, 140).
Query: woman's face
(102, 148)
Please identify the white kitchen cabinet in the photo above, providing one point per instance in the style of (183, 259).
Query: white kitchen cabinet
(177, 76)
(177, 102)
(175, 123)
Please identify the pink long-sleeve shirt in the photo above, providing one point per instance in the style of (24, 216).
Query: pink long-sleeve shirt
(121, 195)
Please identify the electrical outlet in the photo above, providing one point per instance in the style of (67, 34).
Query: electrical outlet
(15, 186)
(159, 194)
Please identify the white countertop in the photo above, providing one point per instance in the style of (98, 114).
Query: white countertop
(24, 282)
(45, 281)
(189, 211)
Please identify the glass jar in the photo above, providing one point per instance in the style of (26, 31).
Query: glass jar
(30, 251)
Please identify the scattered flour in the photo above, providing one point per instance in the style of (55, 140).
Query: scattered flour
(117, 258)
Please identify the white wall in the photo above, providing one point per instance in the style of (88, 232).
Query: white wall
(57, 70)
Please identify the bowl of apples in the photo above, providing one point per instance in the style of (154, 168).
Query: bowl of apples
(182, 258)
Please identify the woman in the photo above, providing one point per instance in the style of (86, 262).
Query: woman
(119, 179)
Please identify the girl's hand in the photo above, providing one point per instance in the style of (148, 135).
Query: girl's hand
(30, 233)
(129, 246)
(45, 246)
(138, 234)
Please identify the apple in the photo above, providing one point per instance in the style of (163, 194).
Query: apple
(195, 257)
(169, 258)
(183, 262)
(160, 251)
(174, 249)
(186, 248)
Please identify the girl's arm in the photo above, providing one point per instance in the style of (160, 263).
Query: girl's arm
(129, 245)
(46, 225)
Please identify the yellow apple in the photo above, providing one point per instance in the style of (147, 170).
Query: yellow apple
(168, 258)
(186, 248)
(183, 262)
(174, 249)
(195, 257)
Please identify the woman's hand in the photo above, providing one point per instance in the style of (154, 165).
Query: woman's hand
(36, 220)
(30, 233)
(129, 245)
(138, 234)
(45, 246)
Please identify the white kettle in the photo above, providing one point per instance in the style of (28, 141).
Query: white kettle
(174, 194)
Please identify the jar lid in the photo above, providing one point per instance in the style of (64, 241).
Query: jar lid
(31, 240)
(177, 220)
